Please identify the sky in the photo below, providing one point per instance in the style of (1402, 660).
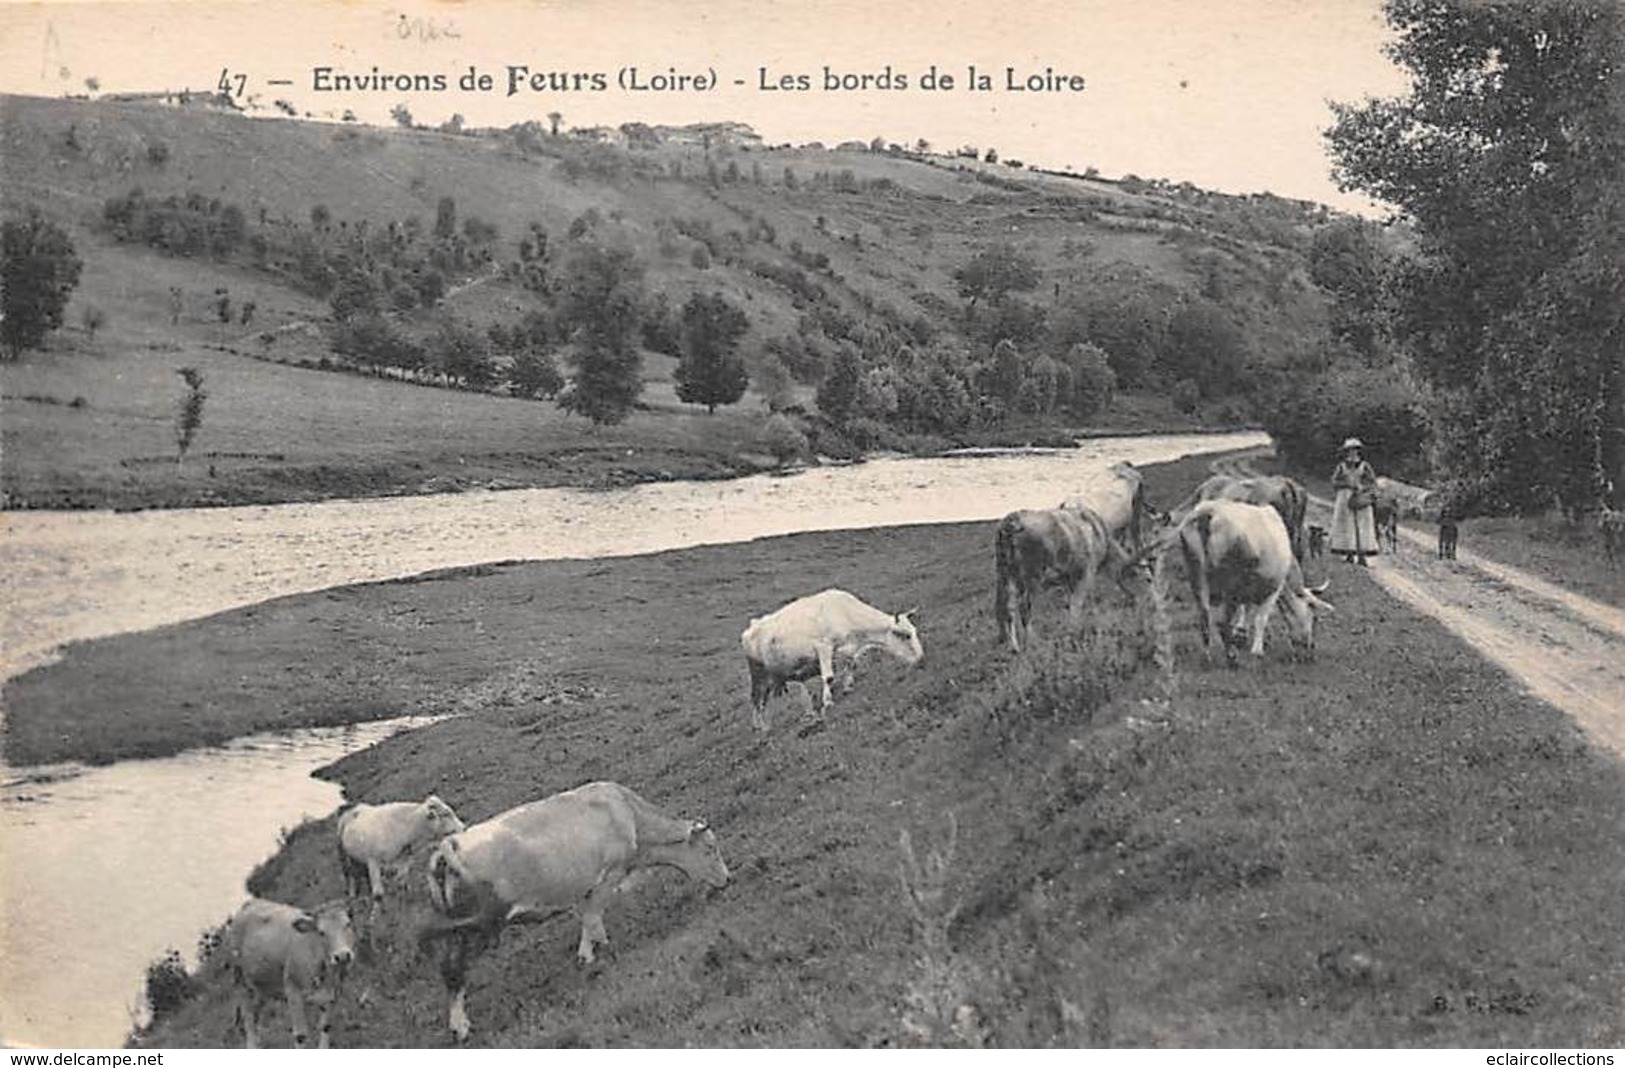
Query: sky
(1228, 94)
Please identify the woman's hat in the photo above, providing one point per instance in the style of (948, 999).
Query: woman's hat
(1352, 443)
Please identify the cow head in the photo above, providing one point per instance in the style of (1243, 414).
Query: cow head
(701, 858)
(1301, 606)
(440, 817)
(331, 922)
(903, 640)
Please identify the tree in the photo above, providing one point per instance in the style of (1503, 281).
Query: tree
(445, 218)
(839, 390)
(38, 274)
(710, 371)
(553, 121)
(1508, 156)
(784, 439)
(994, 273)
(402, 116)
(190, 416)
(599, 310)
(533, 374)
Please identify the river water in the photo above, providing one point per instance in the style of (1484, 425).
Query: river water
(99, 874)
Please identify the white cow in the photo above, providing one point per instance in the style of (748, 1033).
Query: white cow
(805, 638)
(276, 950)
(567, 852)
(371, 836)
(1240, 556)
(1119, 501)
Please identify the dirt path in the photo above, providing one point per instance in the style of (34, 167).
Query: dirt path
(1566, 649)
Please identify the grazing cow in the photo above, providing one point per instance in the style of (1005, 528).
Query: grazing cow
(276, 950)
(1119, 502)
(1285, 495)
(1239, 555)
(1385, 514)
(567, 852)
(1317, 541)
(805, 638)
(371, 836)
(1066, 547)
(1611, 524)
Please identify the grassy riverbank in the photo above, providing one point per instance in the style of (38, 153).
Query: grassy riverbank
(1391, 846)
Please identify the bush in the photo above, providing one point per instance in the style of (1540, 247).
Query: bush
(1186, 395)
(534, 374)
(1381, 407)
(169, 986)
(784, 439)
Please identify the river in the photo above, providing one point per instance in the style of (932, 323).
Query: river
(98, 879)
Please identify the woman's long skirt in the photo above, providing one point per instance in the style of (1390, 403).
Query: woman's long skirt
(1354, 530)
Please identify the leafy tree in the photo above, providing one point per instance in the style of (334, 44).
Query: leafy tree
(1203, 345)
(38, 273)
(1092, 379)
(402, 116)
(1005, 374)
(534, 374)
(772, 381)
(463, 355)
(994, 273)
(553, 121)
(1348, 261)
(1508, 156)
(599, 311)
(355, 294)
(838, 392)
(710, 371)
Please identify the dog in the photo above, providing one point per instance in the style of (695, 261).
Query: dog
(1447, 537)
(1317, 541)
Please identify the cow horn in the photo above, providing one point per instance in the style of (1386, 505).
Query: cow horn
(1318, 590)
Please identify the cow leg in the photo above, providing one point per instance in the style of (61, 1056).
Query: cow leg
(826, 674)
(248, 1014)
(1261, 622)
(324, 1028)
(375, 877)
(593, 934)
(296, 1017)
(761, 686)
(454, 954)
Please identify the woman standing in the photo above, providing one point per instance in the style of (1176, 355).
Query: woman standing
(1354, 526)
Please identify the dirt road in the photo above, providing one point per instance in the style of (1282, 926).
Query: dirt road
(1566, 649)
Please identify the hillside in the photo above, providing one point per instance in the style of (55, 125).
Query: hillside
(1196, 301)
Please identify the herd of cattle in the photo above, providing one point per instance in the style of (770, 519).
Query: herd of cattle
(1243, 542)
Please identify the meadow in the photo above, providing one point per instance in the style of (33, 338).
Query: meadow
(1388, 846)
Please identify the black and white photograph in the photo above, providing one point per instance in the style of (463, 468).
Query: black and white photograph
(751, 523)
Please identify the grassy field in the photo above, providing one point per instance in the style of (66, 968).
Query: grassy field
(1388, 847)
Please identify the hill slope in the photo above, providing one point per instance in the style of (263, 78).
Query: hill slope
(824, 251)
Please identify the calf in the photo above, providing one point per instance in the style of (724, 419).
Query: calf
(1239, 555)
(372, 836)
(805, 638)
(568, 852)
(276, 950)
(1066, 547)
